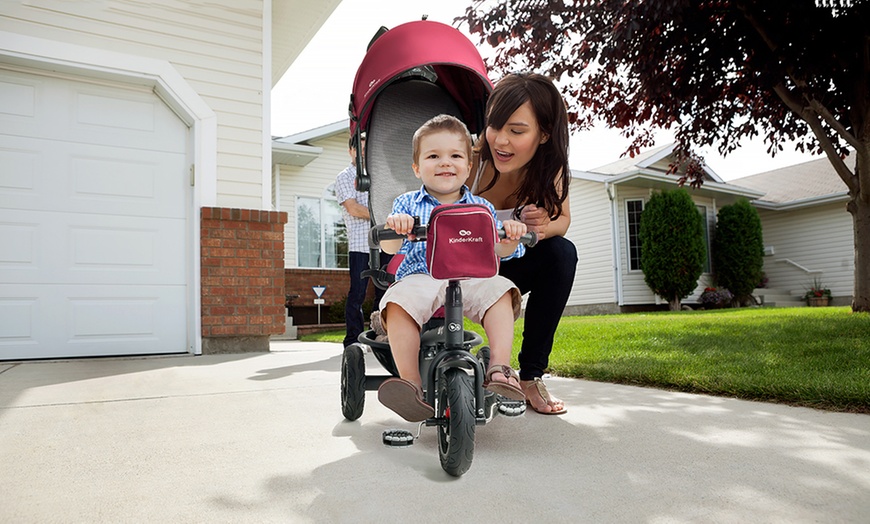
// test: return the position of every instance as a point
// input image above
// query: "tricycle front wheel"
(456, 411)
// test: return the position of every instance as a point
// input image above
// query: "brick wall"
(242, 278)
(300, 281)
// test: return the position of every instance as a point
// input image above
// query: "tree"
(716, 71)
(672, 250)
(738, 249)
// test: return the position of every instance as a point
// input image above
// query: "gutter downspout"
(610, 189)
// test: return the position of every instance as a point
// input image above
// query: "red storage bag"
(460, 242)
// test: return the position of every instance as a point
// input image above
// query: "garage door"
(94, 205)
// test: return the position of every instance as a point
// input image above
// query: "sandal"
(537, 387)
(505, 389)
(406, 399)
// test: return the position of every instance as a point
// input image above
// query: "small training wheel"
(398, 437)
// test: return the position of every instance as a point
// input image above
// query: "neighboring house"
(135, 174)
(315, 248)
(808, 234)
(606, 204)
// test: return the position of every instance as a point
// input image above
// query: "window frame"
(629, 237)
(327, 210)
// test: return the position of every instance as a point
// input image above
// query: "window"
(633, 210)
(320, 233)
(703, 211)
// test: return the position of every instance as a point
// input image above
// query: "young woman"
(522, 169)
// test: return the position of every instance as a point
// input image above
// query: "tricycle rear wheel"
(353, 382)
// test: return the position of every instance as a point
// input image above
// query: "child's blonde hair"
(439, 123)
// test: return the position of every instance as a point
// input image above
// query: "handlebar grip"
(380, 232)
(529, 239)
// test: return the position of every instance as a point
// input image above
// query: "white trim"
(655, 157)
(317, 133)
(173, 89)
(266, 96)
(276, 175)
(804, 202)
(673, 180)
(612, 193)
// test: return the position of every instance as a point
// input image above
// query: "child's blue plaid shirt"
(420, 204)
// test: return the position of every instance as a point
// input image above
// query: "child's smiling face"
(443, 165)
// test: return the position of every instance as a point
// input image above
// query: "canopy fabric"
(428, 45)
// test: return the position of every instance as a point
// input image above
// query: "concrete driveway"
(261, 438)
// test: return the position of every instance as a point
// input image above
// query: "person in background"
(355, 211)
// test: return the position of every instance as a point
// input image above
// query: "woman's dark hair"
(539, 184)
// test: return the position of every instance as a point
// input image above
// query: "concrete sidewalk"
(261, 438)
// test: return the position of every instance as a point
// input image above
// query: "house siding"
(310, 181)
(819, 239)
(634, 289)
(217, 47)
(590, 231)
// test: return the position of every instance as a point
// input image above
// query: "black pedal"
(511, 408)
(398, 438)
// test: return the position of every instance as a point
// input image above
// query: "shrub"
(738, 249)
(713, 298)
(672, 250)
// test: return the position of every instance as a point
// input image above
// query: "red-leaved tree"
(714, 71)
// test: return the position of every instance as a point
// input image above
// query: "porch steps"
(770, 297)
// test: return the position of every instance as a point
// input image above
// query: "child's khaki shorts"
(421, 295)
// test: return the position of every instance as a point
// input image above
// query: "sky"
(315, 90)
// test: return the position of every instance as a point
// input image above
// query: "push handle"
(381, 232)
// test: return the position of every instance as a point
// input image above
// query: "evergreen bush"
(738, 250)
(672, 250)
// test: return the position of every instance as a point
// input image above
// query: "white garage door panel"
(62, 248)
(95, 224)
(61, 110)
(42, 175)
(65, 321)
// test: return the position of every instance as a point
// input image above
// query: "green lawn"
(816, 357)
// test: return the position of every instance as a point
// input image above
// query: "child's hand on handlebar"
(513, 230)
(402, 224)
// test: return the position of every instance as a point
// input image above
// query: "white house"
(134, 151)
(807, 232)
(606, 204)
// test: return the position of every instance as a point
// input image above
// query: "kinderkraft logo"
(465, 236)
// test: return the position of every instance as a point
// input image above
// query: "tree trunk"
(860, 210)
(674, 304)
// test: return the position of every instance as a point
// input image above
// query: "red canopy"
(452, 57)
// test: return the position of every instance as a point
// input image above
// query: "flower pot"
(818, 301)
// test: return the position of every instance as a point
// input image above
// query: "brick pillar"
(242, 279)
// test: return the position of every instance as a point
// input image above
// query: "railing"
(802, 268)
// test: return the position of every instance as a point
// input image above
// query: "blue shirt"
(420, 204)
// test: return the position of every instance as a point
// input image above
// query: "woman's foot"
(504, 381)
(406, 399)
(540, 399)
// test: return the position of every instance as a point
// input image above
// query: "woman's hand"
(536, 219)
